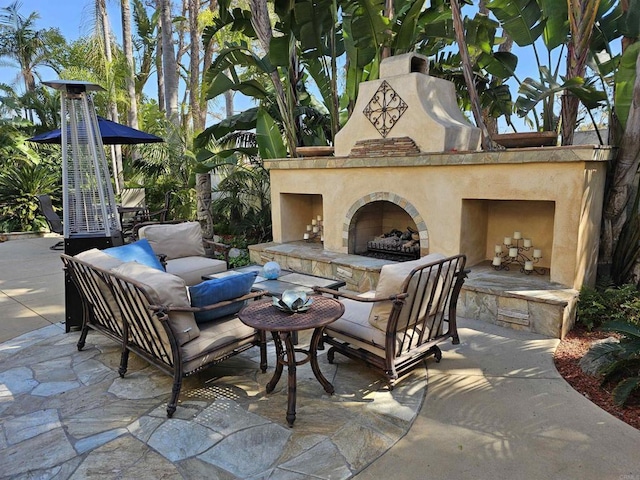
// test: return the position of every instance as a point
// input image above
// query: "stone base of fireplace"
(508, 298)
(523, 302)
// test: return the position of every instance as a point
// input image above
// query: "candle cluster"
(315, 230)
(515, 254)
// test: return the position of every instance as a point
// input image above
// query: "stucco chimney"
(406, 111)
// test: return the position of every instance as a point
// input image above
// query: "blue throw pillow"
(218, 290)
(139, 251)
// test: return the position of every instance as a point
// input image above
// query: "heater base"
(73, 246)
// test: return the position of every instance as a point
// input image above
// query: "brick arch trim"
(393, 198)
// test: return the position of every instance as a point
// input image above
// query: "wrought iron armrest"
(218, 247)
(166, 309)
(357, 298)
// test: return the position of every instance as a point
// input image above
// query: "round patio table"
(262, 315)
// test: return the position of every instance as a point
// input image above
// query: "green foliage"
(239, 261)
(597, 306)
(19, 185)
(270, 144)
(622, 367)
(166, 166)
(625, 78)
(242, 204)
(627, 249)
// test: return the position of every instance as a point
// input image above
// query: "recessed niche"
(296, 212)
(485, 223)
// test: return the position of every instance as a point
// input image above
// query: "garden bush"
(600, 305)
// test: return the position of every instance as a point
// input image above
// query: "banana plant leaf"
(522, 19)
(270, 143)
(625, 80)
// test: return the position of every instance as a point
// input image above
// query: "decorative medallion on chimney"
(384, 109)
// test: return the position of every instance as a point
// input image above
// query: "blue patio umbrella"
(112, 133)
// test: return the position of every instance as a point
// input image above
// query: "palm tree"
(21, 43)
(105, 31)
(127, 45)
(169, 62)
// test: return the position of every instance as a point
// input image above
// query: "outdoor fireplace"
(408, 160)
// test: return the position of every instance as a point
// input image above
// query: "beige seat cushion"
(217, 339)
(175, 240)
(390, 283)
(354, 328)
(192, 269)
(165, 289)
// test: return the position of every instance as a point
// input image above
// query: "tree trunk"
(467, 70)
(159, 67)
(206, 63)
(194, 69)
(127, 46)
(506, 46)
(582, 17)
(116, 150)
(203, 180)
(169, 64)
(622, 177)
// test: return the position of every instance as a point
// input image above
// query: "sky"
(73, 18)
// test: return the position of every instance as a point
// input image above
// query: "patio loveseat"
(149, 312)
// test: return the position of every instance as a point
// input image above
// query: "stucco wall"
(463, 199)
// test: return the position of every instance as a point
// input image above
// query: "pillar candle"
(315, 229)
(528, 265)
(498, 249)
(306, 236)
(507, 240)
(314, 222)
(497, 261)
(319, 218)
(308, 228)
(537, 253)
(517, 235)
(527, 243)
(513, 252)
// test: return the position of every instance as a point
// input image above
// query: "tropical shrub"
(19, 185)
(597, 306)
(242, 204)
(622, 366)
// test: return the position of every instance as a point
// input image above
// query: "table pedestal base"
(287, 356)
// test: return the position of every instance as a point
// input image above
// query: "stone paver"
(87, 422)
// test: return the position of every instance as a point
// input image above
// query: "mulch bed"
(568, 355)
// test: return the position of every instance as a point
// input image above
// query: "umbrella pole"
(117, 172)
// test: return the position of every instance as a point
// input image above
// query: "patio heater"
(90, 214)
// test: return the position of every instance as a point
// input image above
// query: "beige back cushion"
(165, 289)
(175, 240)
(98, 258)
(391, 278)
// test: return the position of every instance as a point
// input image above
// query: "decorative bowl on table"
(293, 301)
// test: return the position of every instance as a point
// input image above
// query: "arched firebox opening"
(381, 228)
